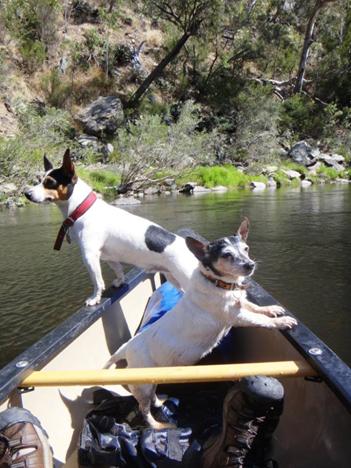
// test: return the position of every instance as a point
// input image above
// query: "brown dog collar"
(224, 285)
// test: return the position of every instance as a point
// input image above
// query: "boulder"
(201, 189)
(88, 141)
(303, 153)
(102, 116)
(188, 188)
(306, 183)
(271, 183)
(334, 161)
(256, 186)
(291, 174)
(314, 168)
(152, 191)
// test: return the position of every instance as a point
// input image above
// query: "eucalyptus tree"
(191, 18)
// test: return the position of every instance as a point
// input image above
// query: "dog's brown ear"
(47, 164)
(197, 247)
(67, 164)
(243, 230)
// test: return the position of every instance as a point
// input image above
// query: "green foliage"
(33, 24)
(149, 145)
(328, 173)
(22, 155)
(102, 181)
(225, 175)
(56, 89)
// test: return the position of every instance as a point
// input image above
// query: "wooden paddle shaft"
(167, 375)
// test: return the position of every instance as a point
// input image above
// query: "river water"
(301, 239)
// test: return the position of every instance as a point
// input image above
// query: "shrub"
(150, 145)
(39, 134)
(33, 24)
(103, 181)
(56, 89)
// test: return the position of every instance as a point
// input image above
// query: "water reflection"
(300, 237)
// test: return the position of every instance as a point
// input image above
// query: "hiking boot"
(23, 442)
(247, 409)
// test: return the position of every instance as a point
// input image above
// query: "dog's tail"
(119, 355)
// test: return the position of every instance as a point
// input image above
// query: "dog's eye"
(50, 183)
(227, 255)
(246, 249)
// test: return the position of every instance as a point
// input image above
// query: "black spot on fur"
(157, 239)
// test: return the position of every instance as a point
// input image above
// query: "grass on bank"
(226, 175)
(101, 180)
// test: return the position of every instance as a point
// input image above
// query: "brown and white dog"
(214, 301)
(110, 233)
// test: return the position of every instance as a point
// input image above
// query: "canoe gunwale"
(329, 366)
(48, 347)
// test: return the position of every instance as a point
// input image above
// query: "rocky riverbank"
(302, 165)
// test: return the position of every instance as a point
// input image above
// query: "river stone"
(201, 189)
(306, 183)
(291, 174)
(303, 153)
(152, 191)
(256, 186)
(271, 183)
(102, 116)
(331, 161)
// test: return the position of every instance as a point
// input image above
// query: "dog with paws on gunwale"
(105, 232)
(214, 301)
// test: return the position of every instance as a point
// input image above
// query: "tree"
(308, 41)
(189, 16)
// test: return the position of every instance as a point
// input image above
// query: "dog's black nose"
(249, 266)
(28, 194)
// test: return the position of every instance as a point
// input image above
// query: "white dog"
(109, 233)
(214, 301)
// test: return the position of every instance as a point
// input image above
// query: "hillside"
(188, 83)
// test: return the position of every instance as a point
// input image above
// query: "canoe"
(55, 377)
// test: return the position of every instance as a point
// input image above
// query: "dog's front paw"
(285, 322)
(93, 300)
(273, 311)
(117, 282)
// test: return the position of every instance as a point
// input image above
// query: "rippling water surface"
(301, 239)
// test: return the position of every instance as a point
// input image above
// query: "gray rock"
(303, 153)
(201, 189)
(292, 174)
(109, 148)
(256, 186)
(331, 161)
(342, 181)
(169, 182)
(152, 191)
(271, 183)
(10, 203)
(306, 183)
(126, 201)
(102, 116)
(88, 141)
(188, 188)
(8, 188)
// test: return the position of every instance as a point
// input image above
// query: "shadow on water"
(300, 238)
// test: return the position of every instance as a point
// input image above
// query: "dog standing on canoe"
(214, 301)
(109, 233)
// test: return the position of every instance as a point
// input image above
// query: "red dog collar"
(224, 285)
(77, 213)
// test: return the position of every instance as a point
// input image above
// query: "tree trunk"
(157, 71)
(308, 41)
